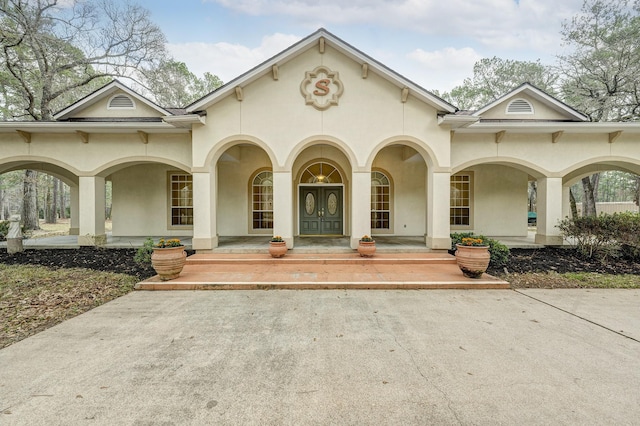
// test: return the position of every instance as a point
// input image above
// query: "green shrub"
(498, 251)
(603, 236)
(143, 255)
(4, 229)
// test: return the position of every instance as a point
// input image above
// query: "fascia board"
(551, 126)
(95, 127)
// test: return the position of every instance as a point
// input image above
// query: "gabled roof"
(103, 92)
(534, 92)
(338, 44)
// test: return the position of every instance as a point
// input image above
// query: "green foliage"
(143, 254)
(494, 77)
(173, 85)
(498, 251)
(4, 229)
(603, 236)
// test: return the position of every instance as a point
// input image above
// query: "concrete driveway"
(334, 357)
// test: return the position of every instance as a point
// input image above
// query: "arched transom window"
(321, 172)
(380, 201)
(262, 200)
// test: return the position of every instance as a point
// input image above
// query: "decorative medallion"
(310, 203)
(321, 88)
(332, 203)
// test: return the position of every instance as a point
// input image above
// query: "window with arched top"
(121, 102)
(380, 201)
(321, 172)
(519, 106)
(262, 200)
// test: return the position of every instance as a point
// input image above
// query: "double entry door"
(321, 211)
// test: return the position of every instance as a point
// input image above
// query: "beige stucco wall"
(541, 110)
(235, 171)
(100, 109)
(101, 153)
(274, 112)
(407, 170)
(140, 202)
(499, 201)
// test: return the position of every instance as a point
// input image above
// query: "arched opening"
(243, 179)
(399, 175)
(322, 191)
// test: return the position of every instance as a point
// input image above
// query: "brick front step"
(321, 271)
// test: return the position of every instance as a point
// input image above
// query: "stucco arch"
(423, 149)
(579, 170)
(122, 163)
(64, 172)
(321, 139)
(532, 169)
(220, 148)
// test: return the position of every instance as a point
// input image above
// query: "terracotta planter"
(168, 262)
(473, 261)
(367, 248)
(277, 248)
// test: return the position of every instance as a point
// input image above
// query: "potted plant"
(277, 246)
(366, 246)
(472, 256)
(168, 258)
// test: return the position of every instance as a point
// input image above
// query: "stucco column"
(205, 232)
(549, 206)
(283, 206)
(92, 211)
(438, 204)
(74, 220)
(360, 206)
(566, 202)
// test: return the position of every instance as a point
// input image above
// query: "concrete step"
(321, 258)
(321, 271)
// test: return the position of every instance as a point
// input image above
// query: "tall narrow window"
(380, 201)
(460, 208)
(181, 200)
(262, 200)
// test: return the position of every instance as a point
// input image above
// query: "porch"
(259, 244)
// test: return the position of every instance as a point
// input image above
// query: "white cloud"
(497, 24)
(442, 69)
(227, 60)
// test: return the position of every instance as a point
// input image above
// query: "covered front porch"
(259, 244)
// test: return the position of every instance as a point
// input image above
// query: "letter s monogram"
(322, 87)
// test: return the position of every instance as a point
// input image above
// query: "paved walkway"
(487, 357)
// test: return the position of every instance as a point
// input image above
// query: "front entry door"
(321, 210)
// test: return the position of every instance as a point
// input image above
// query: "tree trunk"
(572, 202)
(30, 201)
(63, 210)
(590, 189)
(636, 197)
(52, 200)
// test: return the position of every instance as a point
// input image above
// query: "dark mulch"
(121, 261)
(562, 260)
(100, 259)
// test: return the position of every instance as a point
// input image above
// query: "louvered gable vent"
(121, 102)
(519, 106)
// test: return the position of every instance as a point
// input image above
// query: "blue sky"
(432, 42)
